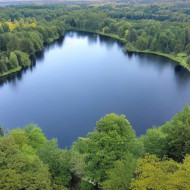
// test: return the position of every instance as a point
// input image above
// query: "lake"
(82, 77)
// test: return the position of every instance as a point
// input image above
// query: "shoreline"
(180, 60)
(9, 72)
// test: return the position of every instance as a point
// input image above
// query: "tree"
(141, 43)
(13, 61)
(36, 137)
(1, 131)
(58, 161)
(112, 140)
(19, 169)
(26, 46)
(131, 36)
(188, 60)
(155, 142)
(13, 43)
(178, 133)
(3, 63)
(5, 27)
(19, 136)
(23, 58)
(105, 29)
(153, 173)
(37, 41)
(119, 177)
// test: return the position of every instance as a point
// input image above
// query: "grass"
(179, 59)
(51, 40)
(11, 71)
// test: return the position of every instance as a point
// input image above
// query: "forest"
(162, 29)
(110, 157)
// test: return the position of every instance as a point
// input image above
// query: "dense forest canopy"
(110, 158)
(162, 29)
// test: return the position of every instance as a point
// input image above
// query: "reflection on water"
(79, 78)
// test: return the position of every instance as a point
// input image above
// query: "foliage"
(19, 169)
(112, 140)
(155, 142)
(58, 163)
(153, 173)
(111, 157)
(1, 131)
(13, 61)
(188, 61)
(162, 28)
(178, 133)
(120, 176)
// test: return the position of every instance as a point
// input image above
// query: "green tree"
(1, 131)
(26, 45)
(112, 140)
(20, 169)
(58, 161)
(23, 59)
(141, 43)
(35, 136)
(155, 142)
(153, 173)
(5, 27)
(3, 63)
(188, 60)
(13, 43)
(119, 177)
(178, 133)
(13, 61)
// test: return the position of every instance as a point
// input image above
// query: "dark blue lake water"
(81, 78)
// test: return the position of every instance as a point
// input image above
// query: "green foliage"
(141, 43)
(35, 137)
(19, 136)
(153, 173)
(144, 26)
(188, 60)
(58, 162)
(77, 164)
(105, 29)
(20, 170)
(3, 63)
(26, 45)
(155, 142)
(111, 157)
(13, 61)
(112, 140)
(86, 186)
(120, 176)
(1, 131)
(178, 133)
(5, 27)
(23, 59)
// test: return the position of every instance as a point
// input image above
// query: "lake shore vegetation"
(161, 29)
(110, 157)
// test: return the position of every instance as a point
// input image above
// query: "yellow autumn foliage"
(29, 25)
(12, 26)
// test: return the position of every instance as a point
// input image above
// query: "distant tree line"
(163, 28)
(110, 158)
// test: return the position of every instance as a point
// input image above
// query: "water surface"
(79, 79)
